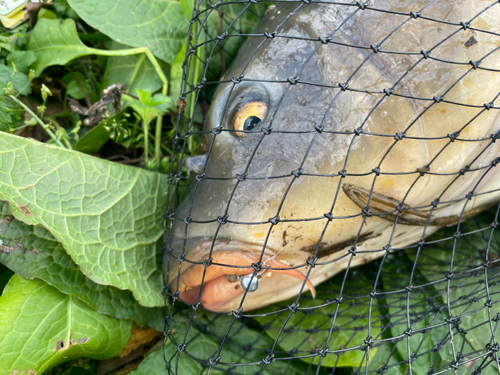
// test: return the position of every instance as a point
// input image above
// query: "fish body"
(339, 132)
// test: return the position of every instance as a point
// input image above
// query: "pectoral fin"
(389, 208)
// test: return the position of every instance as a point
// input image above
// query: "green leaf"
(42, 327)
(32, 252)
(55, 42)
(307, 330)
(136, 71)
(148, 107)
(93, 140)
(22, 59)
(206, 345)
(19, 81)
(161, 26)
(107, 216)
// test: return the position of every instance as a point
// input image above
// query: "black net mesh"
(333, 191)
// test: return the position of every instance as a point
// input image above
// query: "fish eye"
(248, 117)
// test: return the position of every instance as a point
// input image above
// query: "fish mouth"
(234, 269)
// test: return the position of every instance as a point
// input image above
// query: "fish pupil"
(251, 122)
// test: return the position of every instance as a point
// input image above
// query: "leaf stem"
(42, 124)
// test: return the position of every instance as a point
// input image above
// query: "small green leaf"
(148, 107)
(93, 140)
(55, 42)
(111, 218)
(22, 59)
(32, 252)
(161, 26)
(18, 82)
(42, 327)
(31, 75)
(135, 71)
(9, 89)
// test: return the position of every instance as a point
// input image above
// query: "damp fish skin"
(283, 197)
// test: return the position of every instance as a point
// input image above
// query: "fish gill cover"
(341, 215)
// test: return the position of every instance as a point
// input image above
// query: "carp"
(339, 133)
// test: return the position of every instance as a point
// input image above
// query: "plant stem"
(42, 124)
(159, 71)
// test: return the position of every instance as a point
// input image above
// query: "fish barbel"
(339, 132)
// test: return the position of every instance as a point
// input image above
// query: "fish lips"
(219, 274)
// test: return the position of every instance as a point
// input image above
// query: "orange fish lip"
(205, 281)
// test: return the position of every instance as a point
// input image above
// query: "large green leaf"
(32, 252)
(203, 340)
(107, 216)
(160, 25)
(42, 327)
(136, 71)
(307, 330)
(55, 42)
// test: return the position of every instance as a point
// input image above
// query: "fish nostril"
(196, 163)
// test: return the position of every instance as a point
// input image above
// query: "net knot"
(343, 86)
(453, 136)
(207, 262)
(375, 48)
(343, 173)
(426, 54)
(253, 1)
(293, 80)
(175, 295)
(488, 303)
(182, 257)
(216, 5)
(257, 266)
(325, 40)
(217, 130)
(214, 361)
(267, 130)
(387, 247)
(188, 220)
(373, 293)
(376, 171)
(306, 1)
(222, 219)
(435, 203)
(415, 15)
(293, 307)
(358, 131)
(312, 261)
(475, 64)
(297, 172)
(457, 234)
(366, 211)
(222, 36)
(496, 318)
(269, 359)
(329, 216)
(274, 220)
(269, 35)
(196, 306)
(449, 276)
(178, 176)
(237, 80)
(388, 92)
(465, 25)
(409, 288)
(399, 136)
(464, 170)
(241, 177)
(494, 225)
(181, 348)
(361, 5)
(440, 345)
(438, 99)
(352, 251)
(495, 162)
(488, 106)
(470, 195)
(339, 299)
(495, 136)
(383, 369)
(319, 128)
(237, 313)
(368, 342)
(493, 348)
(323, 352)
(200, 177)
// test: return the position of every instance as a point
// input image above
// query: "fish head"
(282, 131)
